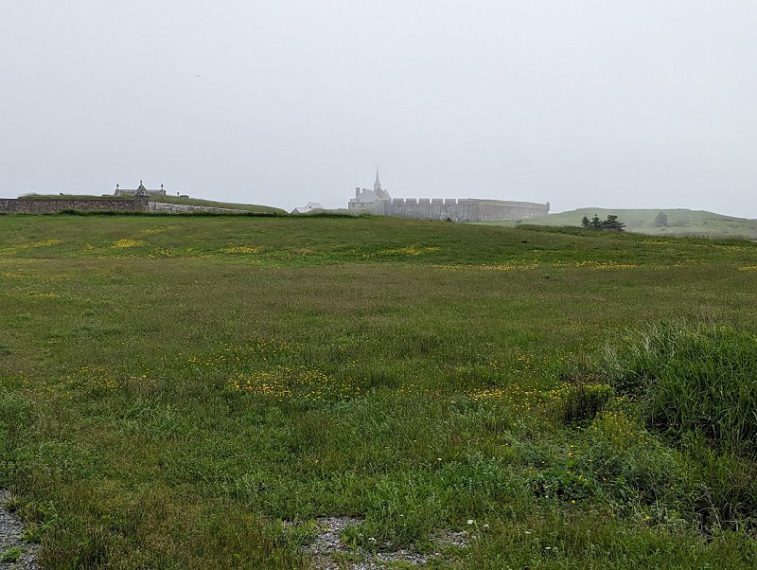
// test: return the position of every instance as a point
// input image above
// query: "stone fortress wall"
(463, 210)
(140, 200)
(379, 203)
(141, 204)
(191, 209)
(57, 205)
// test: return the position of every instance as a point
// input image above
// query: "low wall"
(189, 208)
(57, 205)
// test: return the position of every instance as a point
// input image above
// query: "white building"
(309, 207)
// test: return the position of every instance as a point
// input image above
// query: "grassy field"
(680, 222)
(193, 392)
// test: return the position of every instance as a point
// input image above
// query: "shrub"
(661, 220)
(561, 483)
(633, 464)
(693, 378)
(584, 401)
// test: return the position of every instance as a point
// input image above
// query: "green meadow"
(194, 392)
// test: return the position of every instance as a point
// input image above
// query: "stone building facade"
(378, 202)
(139, 191)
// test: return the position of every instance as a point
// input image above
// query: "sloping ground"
(255, 208)
(681, 221)
(193, 209)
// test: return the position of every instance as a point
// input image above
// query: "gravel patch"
(20, 555)
(458, 539)
(330, 553)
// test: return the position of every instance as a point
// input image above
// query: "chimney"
(357, 191)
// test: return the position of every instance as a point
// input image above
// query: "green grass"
(173, 390)
(11, 554)
(680, 222)
(694, 379)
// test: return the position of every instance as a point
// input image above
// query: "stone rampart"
(463, 210)
(57, 205)
(190, 208)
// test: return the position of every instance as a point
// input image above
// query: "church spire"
(377, 184)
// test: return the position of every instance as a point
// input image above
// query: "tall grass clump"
(581, 399)
(693, 378)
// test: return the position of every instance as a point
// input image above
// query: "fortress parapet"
(379, 202)
(463, 209)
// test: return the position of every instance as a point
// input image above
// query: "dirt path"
(15, 554)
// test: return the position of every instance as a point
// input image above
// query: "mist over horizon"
(631, 105)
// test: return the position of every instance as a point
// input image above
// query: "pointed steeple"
(377, 184)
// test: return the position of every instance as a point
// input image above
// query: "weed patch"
(693, 378)
(579, 401)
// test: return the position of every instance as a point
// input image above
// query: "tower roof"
(377, 184)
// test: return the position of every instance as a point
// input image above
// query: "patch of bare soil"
(330, 553)
(15, 553)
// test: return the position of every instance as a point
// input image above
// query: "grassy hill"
(201, 392)
(256, 208)
(680, 222)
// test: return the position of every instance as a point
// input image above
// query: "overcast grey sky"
(616, 103)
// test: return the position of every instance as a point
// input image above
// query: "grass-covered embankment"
(173, 389)
(253, 208)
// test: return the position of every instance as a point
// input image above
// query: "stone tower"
(381, 194)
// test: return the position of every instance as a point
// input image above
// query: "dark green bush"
(564, 484)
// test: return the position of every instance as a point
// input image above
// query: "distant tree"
(612, 223)
(661, 221)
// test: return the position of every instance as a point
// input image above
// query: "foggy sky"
(614, 103)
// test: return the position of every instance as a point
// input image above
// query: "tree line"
(612, 223)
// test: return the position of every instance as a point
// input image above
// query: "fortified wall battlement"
(379, 203)
(57, 205)
(463, 210)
